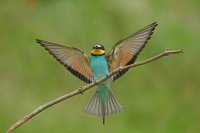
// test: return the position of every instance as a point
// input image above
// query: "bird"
(98, 64)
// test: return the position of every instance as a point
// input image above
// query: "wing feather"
(126, 50)
(73, 59)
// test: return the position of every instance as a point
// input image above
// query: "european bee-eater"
(89, 69)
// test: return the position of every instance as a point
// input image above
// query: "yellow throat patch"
(97, 51)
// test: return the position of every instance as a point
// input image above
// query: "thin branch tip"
(168, 51)
(181, 51)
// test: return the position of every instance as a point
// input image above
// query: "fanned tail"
(96, 107)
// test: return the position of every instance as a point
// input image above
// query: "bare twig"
(86, 87)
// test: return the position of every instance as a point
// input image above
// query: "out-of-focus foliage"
(161, 97)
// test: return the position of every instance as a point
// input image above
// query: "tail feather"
(93, 107)
(112, 105)
(96, 107)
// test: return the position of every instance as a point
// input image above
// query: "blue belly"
(100, 68)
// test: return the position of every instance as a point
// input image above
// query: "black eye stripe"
(98, 46)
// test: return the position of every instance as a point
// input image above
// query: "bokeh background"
(160, 97)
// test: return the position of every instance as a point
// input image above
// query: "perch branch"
(86, 87)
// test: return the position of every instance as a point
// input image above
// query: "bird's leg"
(107, 75)
(95, 82)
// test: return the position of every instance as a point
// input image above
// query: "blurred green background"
(160, 97)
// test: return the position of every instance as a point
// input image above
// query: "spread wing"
(126, 50)
(73, 59)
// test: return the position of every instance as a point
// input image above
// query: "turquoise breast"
(99, 66)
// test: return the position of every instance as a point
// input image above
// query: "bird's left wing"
(73, 59)
(126, 51)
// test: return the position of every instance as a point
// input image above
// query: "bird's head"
(98, 49)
